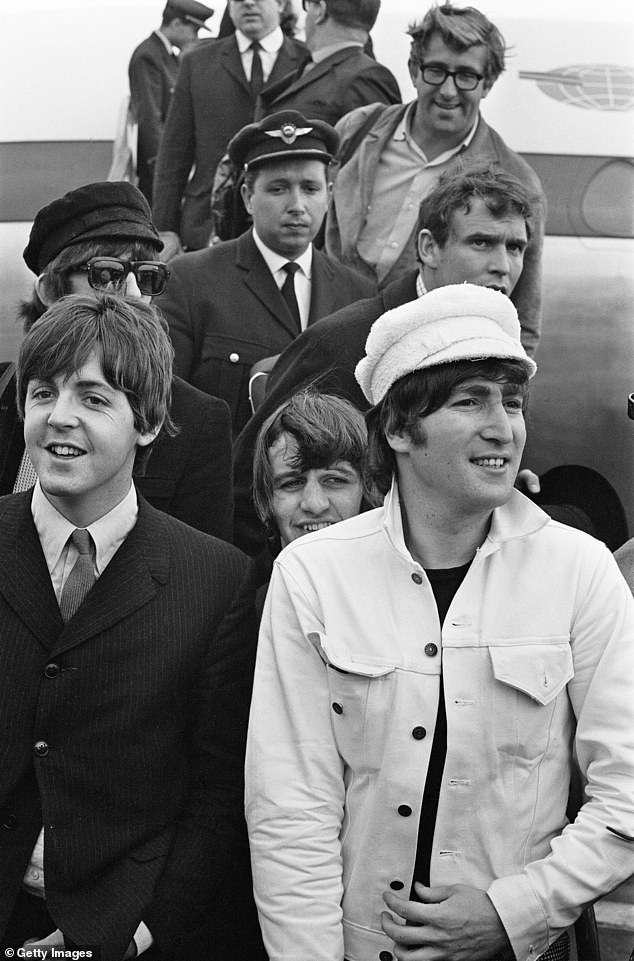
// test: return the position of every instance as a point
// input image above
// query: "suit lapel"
(322, 288)
(259, 280)
(131, 579)
(316, 73)
(232, 63)
(24, 579)
(288, 59)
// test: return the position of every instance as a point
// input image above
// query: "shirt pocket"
(527, 713)
(361, 691)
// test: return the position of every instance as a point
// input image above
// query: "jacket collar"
(519, 517)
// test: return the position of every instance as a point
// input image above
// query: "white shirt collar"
(324, 52)
(108, 533)
(402, 132)
(165, 42)
(275, 261)
(272, 43)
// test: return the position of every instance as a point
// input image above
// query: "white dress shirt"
(303, 277)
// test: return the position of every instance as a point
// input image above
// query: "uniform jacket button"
(41, 748)
(397, 885)
(51, 670)
(385, 956)
(419, 733)
(337, 708)
(417, 578)
(431, 650)
(404, 810)
(234, 358)
(10, 822)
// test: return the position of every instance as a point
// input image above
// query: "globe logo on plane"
(597, 86)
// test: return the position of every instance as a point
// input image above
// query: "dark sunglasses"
(103, 272)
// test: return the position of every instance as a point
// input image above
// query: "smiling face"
(288, 202)
(481, 249)
(310, 500)
(80, 436)
(465, 462)
(445, 113)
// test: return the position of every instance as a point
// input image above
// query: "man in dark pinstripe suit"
(126, 654)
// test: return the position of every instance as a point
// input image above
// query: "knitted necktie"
(257, 76)
(81, 578)
(288, 293)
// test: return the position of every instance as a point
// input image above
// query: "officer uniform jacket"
(188, 476)
(536, 654)
(152, 74)
(352, 195)
(122, 733)
(212, 100)
(332, 87)
(225, 312)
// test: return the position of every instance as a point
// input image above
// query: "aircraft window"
(587, 196)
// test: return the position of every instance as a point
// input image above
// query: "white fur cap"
(456, 322)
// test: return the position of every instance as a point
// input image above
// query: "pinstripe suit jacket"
(138, 707)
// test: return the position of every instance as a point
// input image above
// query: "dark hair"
(460, 28)
(128, 337)
(360, 14)
(419, 394)
(56, 275)
(327, 429)
(501, 192)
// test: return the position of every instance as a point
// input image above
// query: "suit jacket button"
(431, 650)
(397, 885)
(419, 733)
(417, 578)
(41, 748)
(337, 708)
(404, 810)
(51, 670)
(10, 822)
(234, 358)
(385, 956)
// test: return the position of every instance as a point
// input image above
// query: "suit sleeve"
(146, 89)
(210, 841)
(176, 154)
(204, 495)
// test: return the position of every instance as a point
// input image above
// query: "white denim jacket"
(537, 649)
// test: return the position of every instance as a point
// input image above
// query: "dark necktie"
(288, 293)
(257, 77)
(81, 578)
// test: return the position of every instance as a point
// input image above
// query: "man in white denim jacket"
(426, 673)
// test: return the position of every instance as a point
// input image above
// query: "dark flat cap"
(190, 10)
(96, 211)
(283, 134)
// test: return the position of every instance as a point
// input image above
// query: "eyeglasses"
(151, 275)
(435, 76)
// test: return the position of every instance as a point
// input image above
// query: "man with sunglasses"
(456, 56)
(96, 238)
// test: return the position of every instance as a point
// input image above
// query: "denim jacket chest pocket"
(526, 710)
(361, 691)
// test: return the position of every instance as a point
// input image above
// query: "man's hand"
(454, 923)
(527, 481)
(172, 245)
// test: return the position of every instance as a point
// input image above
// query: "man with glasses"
(341, 76)
(100, 238)
(215, 95)
(456, 56)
